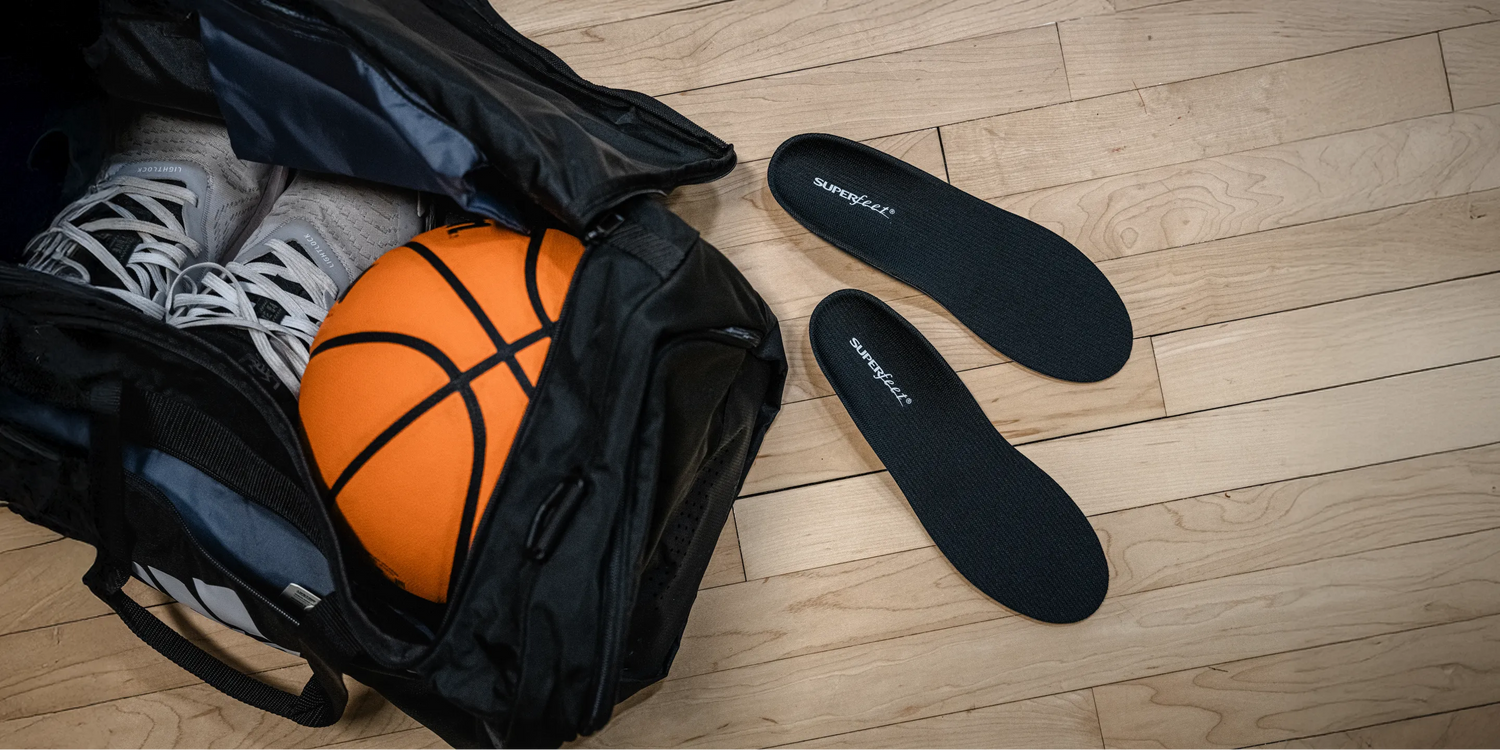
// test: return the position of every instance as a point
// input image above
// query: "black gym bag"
(663, 375)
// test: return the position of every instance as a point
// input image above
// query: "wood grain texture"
(1472, 55)
(1238, 277)
(42, 585)
(1316, 347)
(537, 17)
(1266, 441)
(746, 39)
(1302, 520)
(740, 210)
(199, 716)
(808, 527)
(1131, 636)
(16, 532)
(1177, 41)
(1319, 690)
(725, 566)
(1142, 464)
(878, 96)
(886, 593)
(99, 659)
(816, 440)
(1470, 728)
(1276, 186)
(1309, 264)
(405, 739)
(795, 273)
(1133, 4)
(1196, 119)
(1065, 720)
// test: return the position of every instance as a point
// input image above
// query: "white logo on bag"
(854, 200)
(880, 373)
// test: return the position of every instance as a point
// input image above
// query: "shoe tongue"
(306, 240)
(182, 174)
(122, 244)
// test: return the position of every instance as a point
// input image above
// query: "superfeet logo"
(884, 377)
(854, 199)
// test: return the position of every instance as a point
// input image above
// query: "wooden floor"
(1296, 477)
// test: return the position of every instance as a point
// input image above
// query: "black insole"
(1021, 288)
(1002, 522)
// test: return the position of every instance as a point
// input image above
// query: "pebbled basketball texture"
(417, 384)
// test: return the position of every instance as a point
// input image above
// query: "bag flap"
(441, 95)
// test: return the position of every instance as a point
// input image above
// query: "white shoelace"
(222, 298)
(153, 264)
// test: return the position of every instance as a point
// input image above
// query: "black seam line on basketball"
(459, 382)
(382, 337)
(471, 495)
(521, 378)
(462, 292)
(533, 254)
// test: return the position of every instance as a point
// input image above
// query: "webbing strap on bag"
(322, 700)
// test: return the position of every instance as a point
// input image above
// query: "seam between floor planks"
(939, 126)
(815, 609)
(1358, 676)
(1158, 418)
(791, 509)
(724, 706)
(1362, 727)
(1099, 717)
(1377, 729)
(706, 34)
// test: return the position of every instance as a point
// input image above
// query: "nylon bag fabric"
(665, 370)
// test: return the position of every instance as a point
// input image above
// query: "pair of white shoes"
(181, 229)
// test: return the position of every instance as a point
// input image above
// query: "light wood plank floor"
(1296, 477)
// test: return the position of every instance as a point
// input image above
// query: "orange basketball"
(417, 384)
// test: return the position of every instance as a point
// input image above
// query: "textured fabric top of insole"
(1018, 286)
(1001, 520)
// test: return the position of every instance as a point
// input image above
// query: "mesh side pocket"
(669, 585)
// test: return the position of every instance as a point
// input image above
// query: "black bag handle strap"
(322, 700)
(313, 707)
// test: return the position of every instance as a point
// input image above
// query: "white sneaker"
(322, 233)
(171, 195)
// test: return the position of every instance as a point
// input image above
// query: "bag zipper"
(533, 58)
(539, 60)
(144, 486)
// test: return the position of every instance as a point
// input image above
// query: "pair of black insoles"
(1004, 524)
